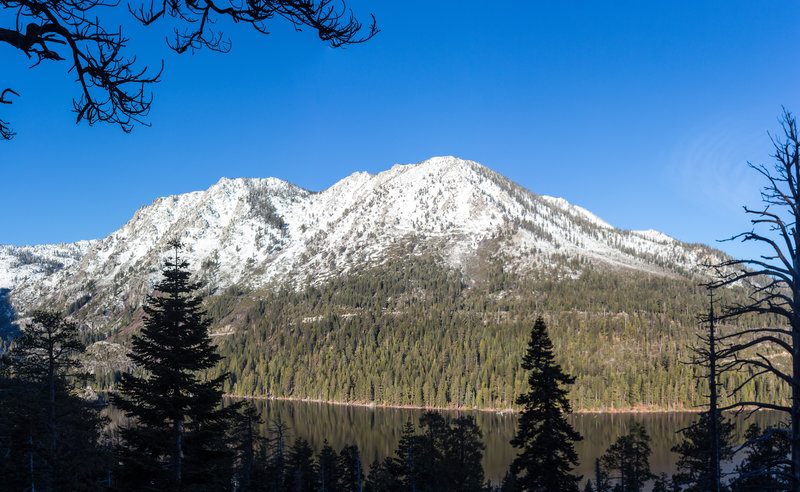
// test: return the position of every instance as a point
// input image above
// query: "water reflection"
(376, 431)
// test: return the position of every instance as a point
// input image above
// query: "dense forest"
(425, 323)
(418, 334)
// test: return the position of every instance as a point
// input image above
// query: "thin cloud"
(711, 166)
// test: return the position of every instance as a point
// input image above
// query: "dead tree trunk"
(712, 386)
(773, 281)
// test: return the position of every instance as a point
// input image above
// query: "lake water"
(376, 431)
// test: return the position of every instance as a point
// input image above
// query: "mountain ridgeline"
(415, 286)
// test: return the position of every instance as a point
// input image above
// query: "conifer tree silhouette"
(48, 434)
(629, 457)
(546, 440)
(178, 436)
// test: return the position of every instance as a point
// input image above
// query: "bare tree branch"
(5, 132)
(773, 282)
(755, 404)
(112, 87)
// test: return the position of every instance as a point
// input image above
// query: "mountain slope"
(254, 233)
(413, 333)
(31, 264)
(414, 286)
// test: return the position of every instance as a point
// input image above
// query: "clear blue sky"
(642, 112)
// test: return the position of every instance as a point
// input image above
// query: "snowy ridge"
(260, 232)
(21, 264)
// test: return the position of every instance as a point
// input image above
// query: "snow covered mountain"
(29, 264)
(258, 233)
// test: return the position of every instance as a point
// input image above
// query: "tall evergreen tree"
(301, 471)
(383, 477)
(408, 466)
(352, 475)
(445, 456)
(275, 456)
(247, 444)
(629, 457)
(600, 477)
(328, 469)
(463, 452)
(544, 436)
(48, 435)
(662, 484)
(177, 440)
(696, 456)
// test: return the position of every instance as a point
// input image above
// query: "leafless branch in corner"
(112, 86)
(112, 89)
(773, 284)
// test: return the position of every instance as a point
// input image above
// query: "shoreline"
(502, 411)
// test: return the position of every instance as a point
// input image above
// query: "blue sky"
(642, 112)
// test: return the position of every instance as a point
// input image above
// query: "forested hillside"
(418, 334)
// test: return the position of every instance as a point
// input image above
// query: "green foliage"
(247, 443)
(418, 334)
(445, 456)
(328, 469)
(178, 439)
(662, 484)
(352, 476)
(383, 477)
(301, 471)
(261, 206)
(546, 440)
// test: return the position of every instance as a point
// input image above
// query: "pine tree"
(629, 456)
(764, 467)
(352, 475)
(509, 483)
(546, 439)
(48, 434)
(301, 471)
(177, 440)
(44, 353)
(247, 444)
(662, 484)
(407, 462)
(383, 477)
(328, 469)
(600, 477)
(695, 467)
(463, 454)
(275, 456)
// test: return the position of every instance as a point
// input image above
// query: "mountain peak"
(257, 232)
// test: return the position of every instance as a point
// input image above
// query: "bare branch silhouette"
(773, 283)
(5, 132)
(112, 85)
